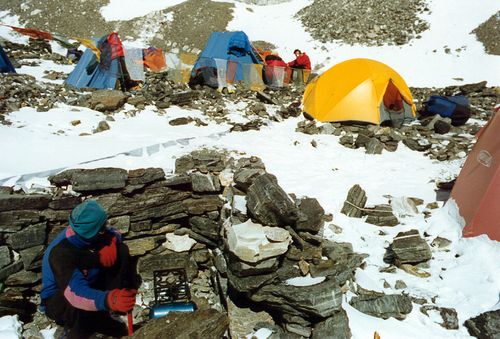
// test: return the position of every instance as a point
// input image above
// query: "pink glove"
(107, 254)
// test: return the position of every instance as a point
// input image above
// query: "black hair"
(297, 50)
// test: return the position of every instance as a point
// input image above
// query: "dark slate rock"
(55, 215)
(203, 204)
(374, 146)
(107, 100)
(183, 98)
(198, 324)
(180, 121)
(335, 327)
(473, 88)
(244, 177)
(308, 252)
(144, 176)
(449, 315)
(415, 146)
(178, 180)
(340, 269)
(23, 278)
(6, 190)
(88, 180)
(13, 221)
(243, 269)
(205, 226)
(139, 226)
(310, 215)
(442, 127)
(355, 202)
(203, 160)
(485, 326)
(65, 202)
(164, 261)
(381, 215)
(5, 258)
(10, 269)
(408, 248)
(251, 162)
(320, 300)
(30, 236)
(383, 306)
(250, 283)
(362, 140)
(121, 223)
(205, 183)
(32, 257)
(13, 302)
(269, 204)
(24, 202)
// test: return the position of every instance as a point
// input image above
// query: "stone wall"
(220, 219)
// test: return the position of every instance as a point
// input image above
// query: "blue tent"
(88, 73)
(231, 46)
(5, 65)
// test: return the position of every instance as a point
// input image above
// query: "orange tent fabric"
(477, 189)
(154, 59)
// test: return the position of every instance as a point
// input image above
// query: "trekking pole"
(130, 324)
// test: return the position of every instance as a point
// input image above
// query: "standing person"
(86, 274)
(301, 62)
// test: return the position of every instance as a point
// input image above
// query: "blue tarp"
(233, 46)
(98, 77)
(5, 65)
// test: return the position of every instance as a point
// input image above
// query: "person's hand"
(107, 254)
(121, 300)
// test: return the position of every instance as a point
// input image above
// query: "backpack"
(457, 108)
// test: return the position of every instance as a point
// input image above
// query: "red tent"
(477, 189)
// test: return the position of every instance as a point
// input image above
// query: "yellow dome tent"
(359, 90)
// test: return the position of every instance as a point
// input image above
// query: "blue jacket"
(71, 265)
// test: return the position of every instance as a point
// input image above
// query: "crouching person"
(86, 274)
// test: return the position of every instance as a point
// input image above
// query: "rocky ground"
(186, 26)
(369, 22)
(489, 34)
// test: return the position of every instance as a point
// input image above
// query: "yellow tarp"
(353, 90)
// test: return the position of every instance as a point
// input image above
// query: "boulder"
(320, 300)
(355, 202)
(335, 327)
(382, 305)
(408, 248)
(198, 324)
(107, 100)
(484, 326)
(310, 215)
(268, 203)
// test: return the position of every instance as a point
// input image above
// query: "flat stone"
(310, 215)
(383, 306)
(408, 248)
(32, 257)
(205, 226)
(198, 324)
(178, 243)
(320, 300)
(205, 183)
(65, 202)
(9, 202)
(23, 278)
(335, 327)
(87, 180)
(5, 258)
(14, 221)
(30, 236)
(141, 246)
(143, 176)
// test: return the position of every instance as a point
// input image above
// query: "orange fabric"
(154, 59)
(33, 33)
(477, 189)
(392, 98)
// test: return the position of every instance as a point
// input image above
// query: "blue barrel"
(159, 311)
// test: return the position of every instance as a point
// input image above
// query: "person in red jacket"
(301, 62)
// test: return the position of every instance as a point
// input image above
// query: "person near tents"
(274, 64)
(86, 275)
(301, 62)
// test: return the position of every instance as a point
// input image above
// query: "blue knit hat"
(87, 219)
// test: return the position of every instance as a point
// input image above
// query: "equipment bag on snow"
(456, 108)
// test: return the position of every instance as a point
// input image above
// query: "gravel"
(489, 34)
(368, 22)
